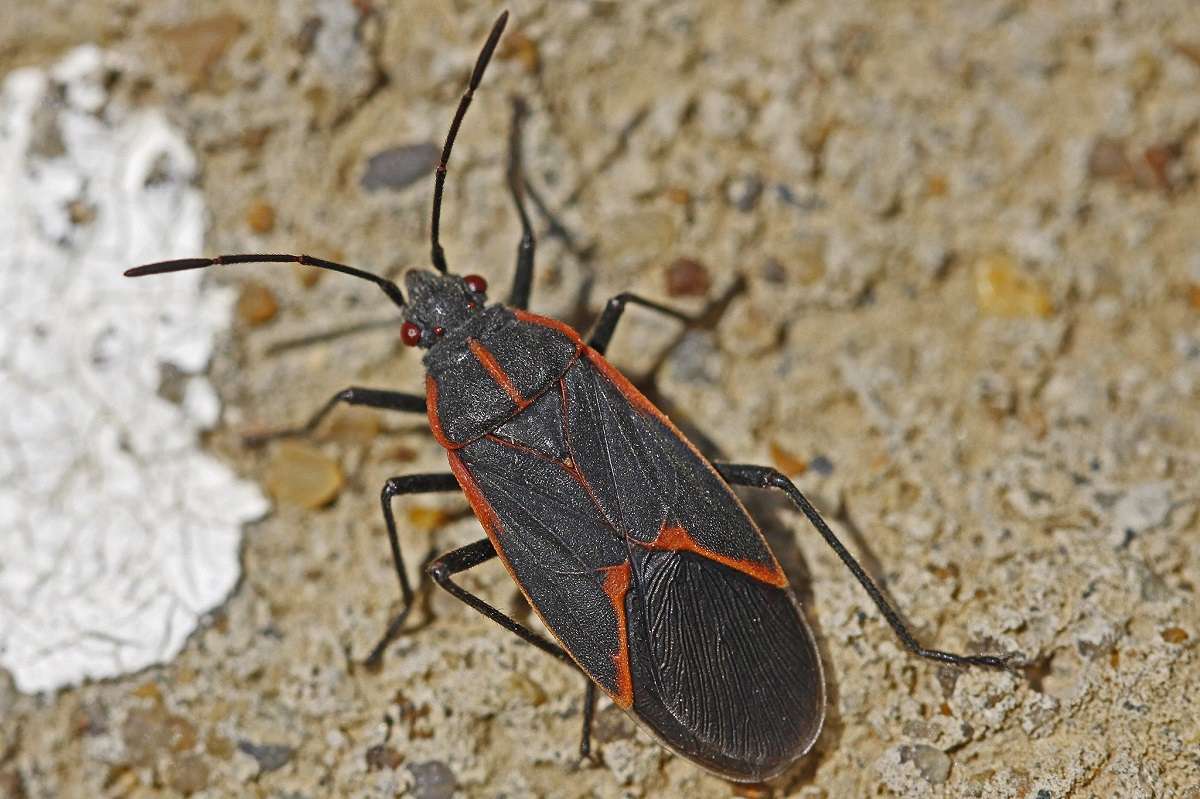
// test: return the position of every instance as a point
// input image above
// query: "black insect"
(628, 543)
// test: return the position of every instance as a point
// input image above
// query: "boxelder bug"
(628, 543)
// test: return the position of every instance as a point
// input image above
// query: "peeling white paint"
(116, 531)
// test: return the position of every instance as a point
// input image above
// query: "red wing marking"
(493, 367)
(483, 509)
(431, 409)
(677, 539)
(553, 324)
(616, 586)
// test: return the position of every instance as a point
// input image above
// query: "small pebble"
(529, 692)
(400, 453)
(687, 277)
(353, 426)
(308, 276)
(1108, 160)
(260, 216)
(933, 763)
(772, 271)
(382, 756)
(518, 47)
(270, 757)
(1161, 158)
(744, 192)
(1189, 51)
(821, 465)
(196, 47)
(678, 195)
(1174, 635)
(426, 520)
(254, 138)
(81, 213)
(787, 462)
(144, 733)
(187, 774)
(398, 167)
(181, 734)
(300, 474)
(1001, 290)
(432, 779)
(218, 746)
(256, 305)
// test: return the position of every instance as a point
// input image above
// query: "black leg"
(463, 558)
(602, 331)
(766, 477)
(355, 395)
(395, 487)
(470, 556)
(589, 713)
(523, 277)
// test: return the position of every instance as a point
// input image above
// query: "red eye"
(410, 334)
(476, 284)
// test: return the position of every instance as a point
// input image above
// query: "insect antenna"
(485, 55)
(162, 267)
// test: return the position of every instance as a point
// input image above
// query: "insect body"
(629, 544)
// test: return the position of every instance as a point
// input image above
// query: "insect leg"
(395, 487)
(589, 712)
(766, 477)
(355, 395)
(602, 331)
(463, 558)
(523, 276)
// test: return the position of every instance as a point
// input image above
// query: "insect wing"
(550, 535)
(724, 667)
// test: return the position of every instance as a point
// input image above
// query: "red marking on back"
(616, 586)
(431, 410)
(635, 397)
(677, 539)
(493, 367)
(546, 321)
(483, 509)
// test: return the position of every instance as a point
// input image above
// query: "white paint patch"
(116, 531)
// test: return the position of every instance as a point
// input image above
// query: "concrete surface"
(969, 303)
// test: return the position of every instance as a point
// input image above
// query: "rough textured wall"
(952, 262)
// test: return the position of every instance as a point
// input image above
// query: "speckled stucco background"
(951, 257)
